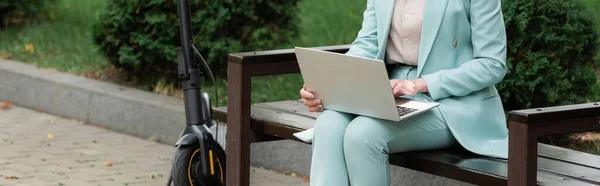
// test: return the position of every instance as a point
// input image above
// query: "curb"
(147, 115)
(114, 107)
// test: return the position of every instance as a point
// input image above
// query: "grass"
(64, 42)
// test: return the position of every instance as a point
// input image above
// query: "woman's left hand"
(407, 87)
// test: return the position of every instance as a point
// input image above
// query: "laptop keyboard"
(402, 111)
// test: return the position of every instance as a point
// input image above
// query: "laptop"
(355, 85)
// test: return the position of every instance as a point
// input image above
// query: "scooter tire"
(185, 170)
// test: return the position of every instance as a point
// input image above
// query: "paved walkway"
(38, 149)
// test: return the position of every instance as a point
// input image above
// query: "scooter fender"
(187, 139)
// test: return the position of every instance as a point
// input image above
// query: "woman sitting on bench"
(448, 51)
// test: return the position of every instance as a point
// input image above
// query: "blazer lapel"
(433, 15)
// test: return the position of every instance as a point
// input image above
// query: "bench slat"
(467, 167)
(571, 156)
(549, 114)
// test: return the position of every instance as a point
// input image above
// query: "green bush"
(551, 49)
(18, 12)
(142, 35)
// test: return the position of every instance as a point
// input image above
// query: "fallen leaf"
(10, 177)
(153, 139)
(294, 175)
(108, 164)
(57, 164)
(5, 56)
(121, 89)
(286, 173)
(50, 135)
(78, 161)
(5, 105)
(38, 110)
(306, 179)
(30, 48)
(153, 175)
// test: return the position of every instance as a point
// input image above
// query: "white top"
(405, 32)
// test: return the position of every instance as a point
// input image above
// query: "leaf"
(29, 48)
(11, 177)
(5, 105)
(50, 136)
(153, 175)
(306, 179)
(5, 56)
(108, 164)
(294, 175)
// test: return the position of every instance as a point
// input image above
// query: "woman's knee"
(365, 134)
(331, 123)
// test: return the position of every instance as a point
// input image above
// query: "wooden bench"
(530, 163)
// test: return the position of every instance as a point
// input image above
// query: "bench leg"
(522, 155)
(238, 126)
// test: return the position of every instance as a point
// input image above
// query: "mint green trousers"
(353, 150)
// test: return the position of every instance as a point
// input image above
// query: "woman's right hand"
(309, 99)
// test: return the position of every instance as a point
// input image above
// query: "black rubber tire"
(181, 166)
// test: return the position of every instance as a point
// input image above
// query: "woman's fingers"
(311, 102)
(308, 98)
(318, 108)
(306, 94)
(397, 91)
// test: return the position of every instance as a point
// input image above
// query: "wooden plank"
(471, 168)
(262, 115)
(572, 171)
(570, 156)
(548, 114)
(565, 126)
(522, 153)
(238, 126)
(275, 56)
(294, 107)
(264, 69)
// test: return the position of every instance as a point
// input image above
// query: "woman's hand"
(408, 87)
(308, 98)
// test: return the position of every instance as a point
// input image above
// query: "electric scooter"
(199, 159)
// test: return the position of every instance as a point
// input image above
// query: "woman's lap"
(422, 132)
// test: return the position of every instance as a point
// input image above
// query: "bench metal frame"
(525, 126)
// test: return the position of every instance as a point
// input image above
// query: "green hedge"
(142, 35)
(551, 49)
(17, 12)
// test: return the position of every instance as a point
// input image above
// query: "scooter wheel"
(187, 167)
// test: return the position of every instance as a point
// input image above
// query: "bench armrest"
(551, 114)
(276, 56)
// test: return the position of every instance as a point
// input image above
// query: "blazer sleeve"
(488, 65)
(365, 44)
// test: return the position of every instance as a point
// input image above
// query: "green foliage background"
(142, 35)
(22, 10)
(551, 53)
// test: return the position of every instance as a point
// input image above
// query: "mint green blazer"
(462, 55)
